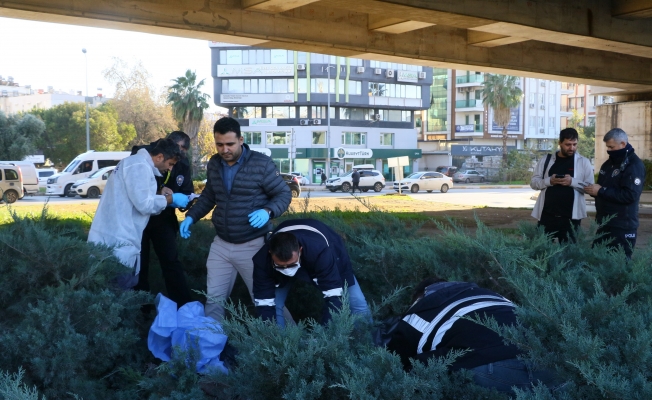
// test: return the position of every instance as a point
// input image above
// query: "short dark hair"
(167, 147)
(225, 125)
(420, 289)
(568, 133)
(179, 136)
(283, 245)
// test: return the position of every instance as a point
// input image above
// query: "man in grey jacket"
(561, 177)
(130, 197)
(245, 190)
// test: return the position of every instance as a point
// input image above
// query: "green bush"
(68, 333)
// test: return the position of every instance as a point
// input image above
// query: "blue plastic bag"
(188, 328)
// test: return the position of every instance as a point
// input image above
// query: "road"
(502, 198)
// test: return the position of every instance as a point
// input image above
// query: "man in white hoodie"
(130, 197)
(561, 177)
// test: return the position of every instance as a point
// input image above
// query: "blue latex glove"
(179, 200)
(184, 228)
(258, 218)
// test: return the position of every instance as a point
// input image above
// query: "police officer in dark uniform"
(618, 191)
(162, 229)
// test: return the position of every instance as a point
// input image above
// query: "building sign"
(473, 150)
(257, 98)
(262, 122)
(514, 122)
(341, 153)
(465, 128)
(224, 71)
(36, 159)
(407, 76)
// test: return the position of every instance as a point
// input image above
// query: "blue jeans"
(357, 302)
(503, 375)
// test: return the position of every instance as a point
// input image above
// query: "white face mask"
(289, 271)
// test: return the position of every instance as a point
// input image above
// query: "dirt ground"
(500, 218)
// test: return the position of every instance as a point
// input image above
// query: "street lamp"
(328, 131)
(88, 130)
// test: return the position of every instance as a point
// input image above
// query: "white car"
(369, 179)
(93, 186)
(302, 179)
(427, 181)
(44, 174)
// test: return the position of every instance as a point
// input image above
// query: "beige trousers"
(225, 261)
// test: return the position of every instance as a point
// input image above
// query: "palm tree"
(501, 93)
(188, 105)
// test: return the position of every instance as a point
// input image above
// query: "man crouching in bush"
(437, 323)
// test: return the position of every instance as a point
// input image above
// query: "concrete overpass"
(598, 42)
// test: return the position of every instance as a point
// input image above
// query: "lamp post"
(88, 130)
(328, 119)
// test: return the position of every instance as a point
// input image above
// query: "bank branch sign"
(407, 76)
(342, 152)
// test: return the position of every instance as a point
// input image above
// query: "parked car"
(446, 170)
(293, 183)
(11, 183)
(302, 179)
(44, 174)
(93, 186)
(468, 176)
(427, 181)
(369, 179)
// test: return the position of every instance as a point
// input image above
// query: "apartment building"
(281, 99)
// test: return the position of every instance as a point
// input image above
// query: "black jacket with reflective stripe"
(429, 320)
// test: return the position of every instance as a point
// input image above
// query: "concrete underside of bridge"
(604, 43)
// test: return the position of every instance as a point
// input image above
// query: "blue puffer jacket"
(256, 185)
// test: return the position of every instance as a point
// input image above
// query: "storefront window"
(252, 137)
(278, 138)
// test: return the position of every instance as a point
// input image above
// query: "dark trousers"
(355, 186)
(562, 228)
(162, 230)
(617, 237)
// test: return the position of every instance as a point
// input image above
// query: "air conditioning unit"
(360, 70)
(531, 105)
(422, 75)
(389, 73)
(304, 122)
(542, 130)
(378, 71)
(301, 67)
(316, 121)
(377, 117)
(463, 89)
(542, 107)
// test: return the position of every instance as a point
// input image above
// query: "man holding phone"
(561, 177)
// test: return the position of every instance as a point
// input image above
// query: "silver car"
(468, 176)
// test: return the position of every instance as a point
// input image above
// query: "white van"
(81, 167)
(30, 177)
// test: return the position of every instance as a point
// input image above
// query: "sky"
(44, 54)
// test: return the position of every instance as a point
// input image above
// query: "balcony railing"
(469, 79)
(471, 103)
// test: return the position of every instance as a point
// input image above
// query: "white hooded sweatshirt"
(128, 200)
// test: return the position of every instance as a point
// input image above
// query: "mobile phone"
(560, 176)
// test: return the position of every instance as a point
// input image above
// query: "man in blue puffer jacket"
(246, 191)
